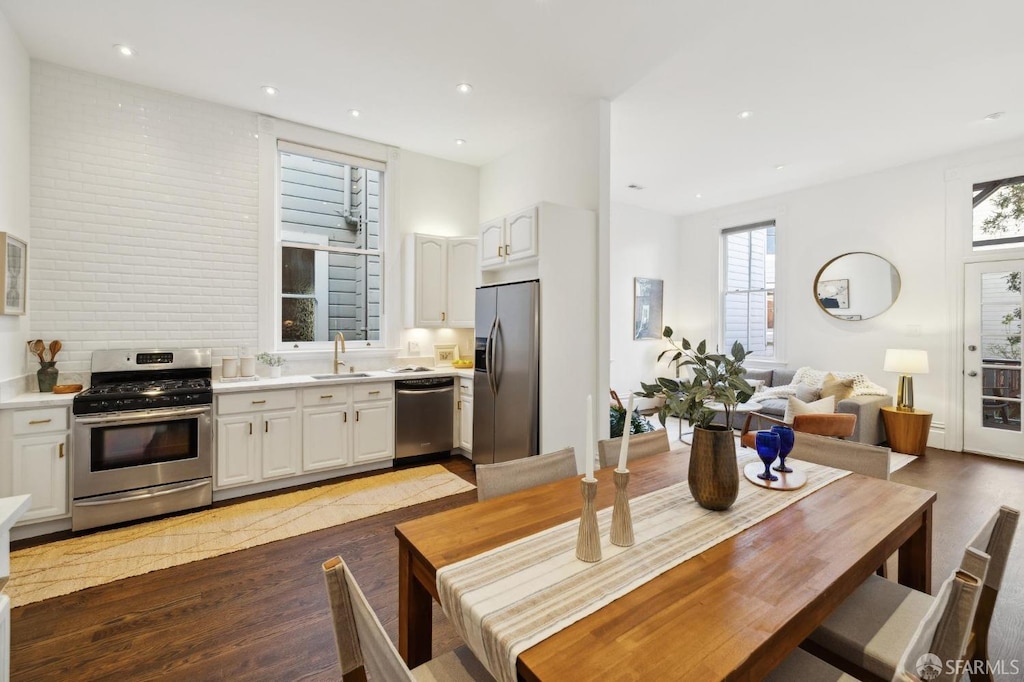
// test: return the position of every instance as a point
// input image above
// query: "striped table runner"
(505, 600)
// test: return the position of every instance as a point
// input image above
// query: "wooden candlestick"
(588, 541)
(622, 520)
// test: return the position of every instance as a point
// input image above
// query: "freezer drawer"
(424, 414)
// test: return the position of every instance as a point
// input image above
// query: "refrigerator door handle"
(489, 357)
(493, 367)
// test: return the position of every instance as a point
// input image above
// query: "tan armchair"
(833, 425)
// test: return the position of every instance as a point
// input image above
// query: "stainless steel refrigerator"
(506, 380)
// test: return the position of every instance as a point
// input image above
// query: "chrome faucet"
(338, 337)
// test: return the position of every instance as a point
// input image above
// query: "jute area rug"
(67, 566)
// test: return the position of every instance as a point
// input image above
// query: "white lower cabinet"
(325, 437)
(465, 415)
(262, 442)
(374, 431)
(34, 456)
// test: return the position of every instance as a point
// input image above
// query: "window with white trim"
(331, 241)
(748, 299)
(999, 214)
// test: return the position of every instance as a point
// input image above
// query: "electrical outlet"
(414, 348)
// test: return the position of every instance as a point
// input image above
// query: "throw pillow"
(807, 393)
(840, 389)
(795, 406)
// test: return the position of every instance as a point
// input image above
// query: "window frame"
(772, 294)
(275, 136)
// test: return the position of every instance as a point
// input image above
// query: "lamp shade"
(906, 361)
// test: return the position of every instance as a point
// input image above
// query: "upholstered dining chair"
(870, 629)
(836, 425)
(640, 445)
(364, 645)
(942, 631)
(860, 458)
(494, 480)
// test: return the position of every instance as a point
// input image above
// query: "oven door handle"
(148, 415)
(139, 496)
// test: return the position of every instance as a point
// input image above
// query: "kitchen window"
(331, 242)
(748, 300)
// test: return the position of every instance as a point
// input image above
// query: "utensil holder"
(622, 519)
(588, 541)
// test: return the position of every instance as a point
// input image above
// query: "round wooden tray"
(797, 479)
(67, 388)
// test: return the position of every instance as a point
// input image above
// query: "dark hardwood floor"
(262, 613)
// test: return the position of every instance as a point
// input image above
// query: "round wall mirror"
(856, 286)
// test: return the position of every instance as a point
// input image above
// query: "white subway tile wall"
(144, 218)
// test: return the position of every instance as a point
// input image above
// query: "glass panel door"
(992, 359)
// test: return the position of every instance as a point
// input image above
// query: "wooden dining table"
(732, 612)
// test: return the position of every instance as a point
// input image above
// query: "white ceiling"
(835, 90)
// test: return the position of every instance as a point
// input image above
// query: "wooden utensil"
(55, 347)
(37, 347)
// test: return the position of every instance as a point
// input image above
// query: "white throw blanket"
(506, 600)
(815, 378)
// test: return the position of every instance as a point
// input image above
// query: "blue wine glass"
(768, 445)
(786, 436)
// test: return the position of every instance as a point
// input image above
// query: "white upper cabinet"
(440, 280)
(509, 240)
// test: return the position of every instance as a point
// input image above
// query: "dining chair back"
(363, 645)
(640, 445)
(860, 458)
(494, 480)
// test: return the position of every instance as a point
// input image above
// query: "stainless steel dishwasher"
(424, 410)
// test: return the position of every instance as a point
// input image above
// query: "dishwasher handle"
(419, 391)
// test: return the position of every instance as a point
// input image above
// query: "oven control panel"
(154, 358)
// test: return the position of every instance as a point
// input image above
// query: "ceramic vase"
(714, 476)
(47, 376)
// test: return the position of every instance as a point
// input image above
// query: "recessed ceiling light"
(124, 50)
(697, 196)
(745, 114)
(995, 116)
(635, 186)
(269, 90)
(354, 113)
(780, 166)
(459, 141)
(464, 88)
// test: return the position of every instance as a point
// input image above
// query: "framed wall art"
(445, 353)
(14, 279)
(647, 308)
(834, 293)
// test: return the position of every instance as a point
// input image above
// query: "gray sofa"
(868, 408)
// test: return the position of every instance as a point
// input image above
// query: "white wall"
(145, 218)
(14, 185)
(899, 214)
(441, 198)
(644, 244)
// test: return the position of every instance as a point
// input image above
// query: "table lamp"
(905, 362)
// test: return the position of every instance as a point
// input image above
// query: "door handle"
(972, 347)
(344, 417)
(497, 333)
(443, 318)
(499, 250)
(972, 373)
(61, 455)
(357, 415)
(458, 405)
(266, 427)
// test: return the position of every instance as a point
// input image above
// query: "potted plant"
(717, 378)
(274, 362)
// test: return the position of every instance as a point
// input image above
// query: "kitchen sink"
(354, 375)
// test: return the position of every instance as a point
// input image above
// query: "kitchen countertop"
(25, 400)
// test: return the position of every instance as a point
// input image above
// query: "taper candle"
(590, 439)
(627, 427)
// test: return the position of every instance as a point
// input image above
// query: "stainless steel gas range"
(143, 440)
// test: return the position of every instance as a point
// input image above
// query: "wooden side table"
(907, 430)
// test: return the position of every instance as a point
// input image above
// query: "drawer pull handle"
(33, 422)
(373, 392)
(327, 397)
(61, 455)
(258, 402)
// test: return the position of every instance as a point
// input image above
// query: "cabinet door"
(237, 449)
(373, 431)
(521, 235)
(492, 244)
(466, 424)
(431, 266)
(462, 265)
(325, 436)
(281, 444)
(41, 470)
